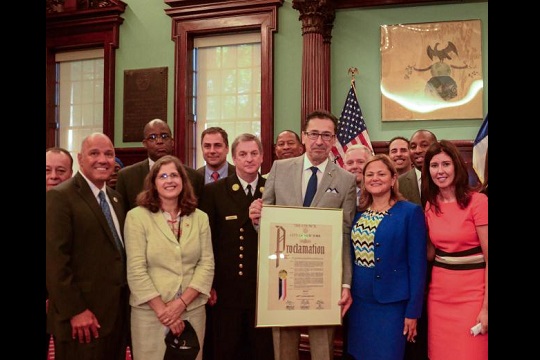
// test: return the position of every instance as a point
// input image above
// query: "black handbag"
(184, 346)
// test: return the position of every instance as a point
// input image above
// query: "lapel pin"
(235, 187)
(115, 199)
(261, 189)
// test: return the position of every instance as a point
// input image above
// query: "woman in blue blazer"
(388, 243)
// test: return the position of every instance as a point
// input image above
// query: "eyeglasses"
(313, 135)
(165, 176)
(153, 137)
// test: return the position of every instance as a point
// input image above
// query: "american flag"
(351, 127)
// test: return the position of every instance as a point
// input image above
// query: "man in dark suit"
(409, 186)
(158, 141)
(235, 245)
(409, 182)
(88, 311)
(287, 184)
(215, 147)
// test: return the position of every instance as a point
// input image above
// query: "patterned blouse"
(363, 237)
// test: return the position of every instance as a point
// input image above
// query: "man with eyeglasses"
(287, 185)
(158, 142)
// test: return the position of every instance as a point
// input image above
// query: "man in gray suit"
(88, 311)
(286, 185)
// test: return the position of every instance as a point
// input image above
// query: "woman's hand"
(177, 327)
(171, 312)
(482, 318)
(409, 329)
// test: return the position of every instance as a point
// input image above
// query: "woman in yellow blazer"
(170, 261)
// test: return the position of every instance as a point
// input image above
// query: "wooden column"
(317, 18)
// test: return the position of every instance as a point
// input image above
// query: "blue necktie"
(311, 187)
(107, 211)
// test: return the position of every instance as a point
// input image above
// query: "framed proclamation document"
(299, 266)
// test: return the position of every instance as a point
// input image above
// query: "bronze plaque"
(145, 98)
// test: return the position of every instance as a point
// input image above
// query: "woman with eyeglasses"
(170, 261)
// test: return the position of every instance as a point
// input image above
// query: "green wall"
(145, 42)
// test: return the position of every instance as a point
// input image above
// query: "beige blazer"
(159, 265)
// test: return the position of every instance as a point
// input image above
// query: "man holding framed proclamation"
(309, 180)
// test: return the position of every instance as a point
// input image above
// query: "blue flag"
(480, 148)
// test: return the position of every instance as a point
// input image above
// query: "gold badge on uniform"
(261, 189)
(235, 187)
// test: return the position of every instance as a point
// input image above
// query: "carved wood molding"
(78, 28)
(317, 16)
(206, 17)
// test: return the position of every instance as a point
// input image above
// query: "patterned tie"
(215, 176)
(311, 187)
(107, 211)
(249, 194)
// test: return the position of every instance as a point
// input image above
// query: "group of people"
(168, 247)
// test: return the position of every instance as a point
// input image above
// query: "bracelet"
(183, 302)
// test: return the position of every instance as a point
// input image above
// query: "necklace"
(175, 225)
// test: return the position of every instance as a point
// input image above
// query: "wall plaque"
(145, 98)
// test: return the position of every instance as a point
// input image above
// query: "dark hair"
(366, 199)
(430, 191)
(433, 136)
(243, 138)
(291, 132)
(216, 130)
(398, 138)
(321, 114)
(58, 150)
(149, 198)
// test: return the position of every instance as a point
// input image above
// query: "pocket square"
(332, 190)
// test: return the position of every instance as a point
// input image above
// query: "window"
(206, 19)
(227, 86)
(79, 100)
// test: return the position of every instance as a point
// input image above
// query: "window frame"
(208, 18)
(80, 30)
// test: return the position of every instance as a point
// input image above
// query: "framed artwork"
(299, 273)
(432, 71)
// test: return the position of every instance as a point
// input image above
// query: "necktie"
(215, 176)
(311, 187)
(249, 195)
(107, 211)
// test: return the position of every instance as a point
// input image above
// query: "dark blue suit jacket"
(400, 257)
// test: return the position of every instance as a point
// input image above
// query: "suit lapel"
(326, 180)
(235, 190)
(162, 225)
(88, 196)
(298, 169)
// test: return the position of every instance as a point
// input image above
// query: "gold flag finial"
(352, 71)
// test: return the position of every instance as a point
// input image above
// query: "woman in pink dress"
(457, 221)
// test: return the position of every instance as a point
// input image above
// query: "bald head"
(152, 124)
(158, 139)
(96, 158)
